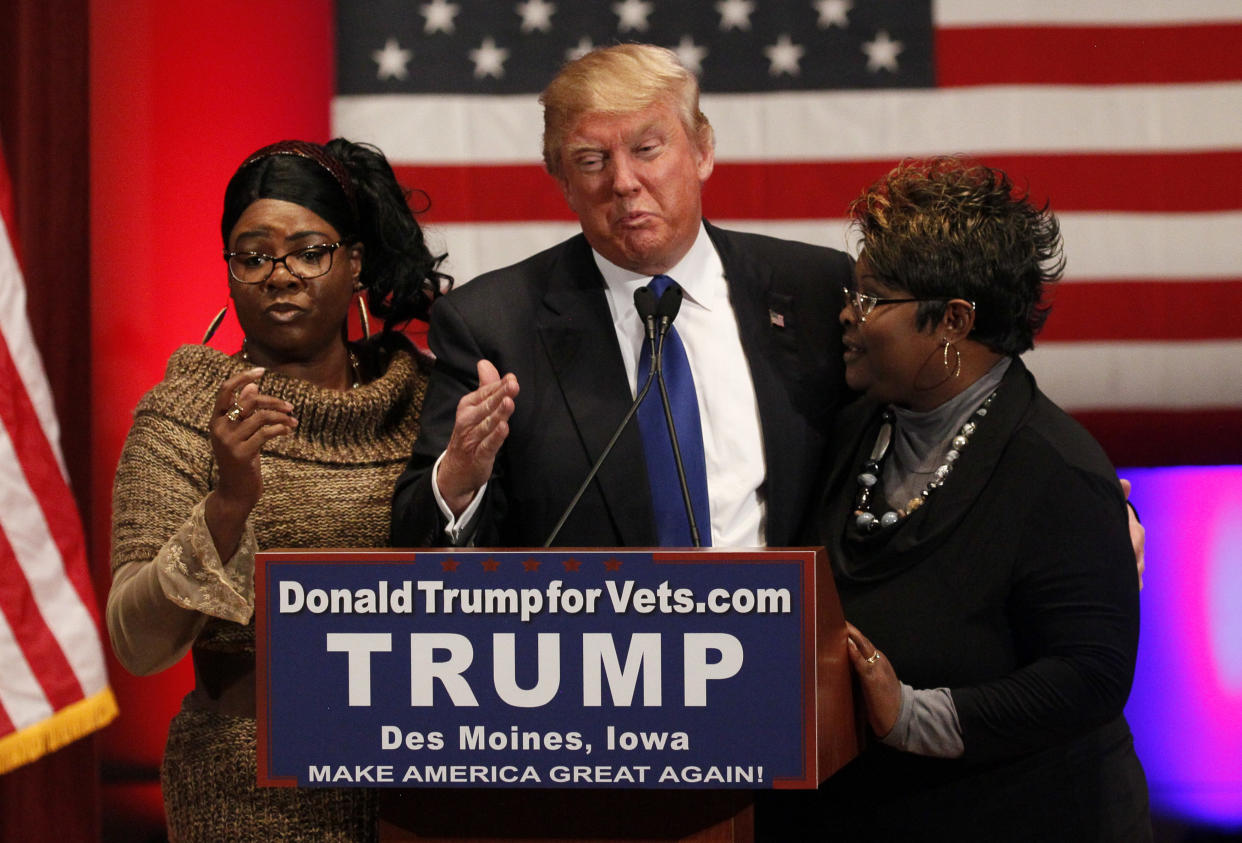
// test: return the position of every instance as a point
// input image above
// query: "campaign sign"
(618, 669)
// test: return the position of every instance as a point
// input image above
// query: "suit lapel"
(768, 332)
(578, 336)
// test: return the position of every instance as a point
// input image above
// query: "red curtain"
(119, 164)
(43, 124)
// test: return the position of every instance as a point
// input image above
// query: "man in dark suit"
(630, 149)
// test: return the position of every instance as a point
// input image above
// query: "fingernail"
(257, 371)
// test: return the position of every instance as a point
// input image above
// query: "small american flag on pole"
(53, 684)
(1126, 115)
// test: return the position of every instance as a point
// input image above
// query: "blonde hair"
(621, 79)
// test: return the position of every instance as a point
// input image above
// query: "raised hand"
(243, 420)
(479, 429)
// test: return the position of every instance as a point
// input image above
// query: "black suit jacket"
(546, 319)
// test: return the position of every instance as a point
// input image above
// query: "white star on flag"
(489, 60)
(584, 46)
(784, 56)
(632, 15)
(882, 52)
(948, 68)
(690, 55)
(833, 13)
(735, 14)
(392, 60)
(536, 15)
(439, 15)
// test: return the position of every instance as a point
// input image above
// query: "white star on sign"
(735, 14)
(392, 60)
(784, 56)
(690, 55)
(882, 53)
(632, 15)
(439, 15)
(585, 45)
(489, 60)
(536, 15)
(833, 13)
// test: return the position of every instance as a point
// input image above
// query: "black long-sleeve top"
(1015, 587)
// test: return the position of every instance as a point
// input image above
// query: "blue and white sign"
(642, 669)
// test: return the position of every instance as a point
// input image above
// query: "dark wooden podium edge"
(473, 816)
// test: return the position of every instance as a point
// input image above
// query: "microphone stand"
(645, 304)
(666, 310)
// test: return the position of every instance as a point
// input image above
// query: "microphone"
(645, 304)
(666, 311)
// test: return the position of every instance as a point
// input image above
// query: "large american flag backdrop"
(1125, 114)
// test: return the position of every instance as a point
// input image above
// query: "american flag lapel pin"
(776, 319)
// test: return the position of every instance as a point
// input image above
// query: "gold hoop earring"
(215, 325)
(364, 317)
(957, 362)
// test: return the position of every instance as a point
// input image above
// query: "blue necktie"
(672, 526)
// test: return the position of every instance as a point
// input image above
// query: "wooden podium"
(714, 816)
(812, 635)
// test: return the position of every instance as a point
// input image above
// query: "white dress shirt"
(732, 438)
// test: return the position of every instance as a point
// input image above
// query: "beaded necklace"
(866, 520)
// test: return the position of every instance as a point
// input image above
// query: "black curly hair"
(950, 227)
(352, 186)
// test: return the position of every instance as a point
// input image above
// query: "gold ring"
(875, 657)
(234, 413)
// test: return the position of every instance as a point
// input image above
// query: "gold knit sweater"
(327, 485)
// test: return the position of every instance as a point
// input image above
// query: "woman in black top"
(978, 537)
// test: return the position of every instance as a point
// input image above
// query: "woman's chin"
(856, 380)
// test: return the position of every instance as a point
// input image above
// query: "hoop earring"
(215, 324)
(364, 317)
(957, 362)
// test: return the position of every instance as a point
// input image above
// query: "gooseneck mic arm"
(645, 304)
(666, 312)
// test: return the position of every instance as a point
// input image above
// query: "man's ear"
(707, 160)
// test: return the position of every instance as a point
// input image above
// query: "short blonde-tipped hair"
(621, 79)
(949, 227)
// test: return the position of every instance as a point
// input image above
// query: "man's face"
(635, 182)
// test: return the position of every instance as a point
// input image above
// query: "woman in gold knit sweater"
(293, 441)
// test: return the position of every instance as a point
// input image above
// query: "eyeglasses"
(305, 263)
(863, 304)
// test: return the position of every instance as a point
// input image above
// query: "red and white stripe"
(53, 687)
(1125, 115)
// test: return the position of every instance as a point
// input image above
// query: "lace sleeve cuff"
(192, 576)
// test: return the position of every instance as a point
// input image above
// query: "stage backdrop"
(1127, 114)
